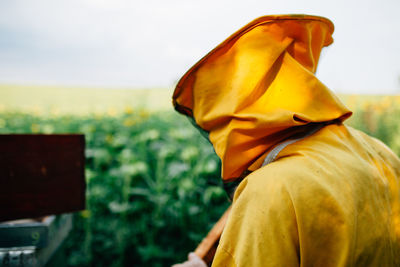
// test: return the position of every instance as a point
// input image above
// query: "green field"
(58, 100)
(153, 185)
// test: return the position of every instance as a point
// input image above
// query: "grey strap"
(274, 153)
(230, 187)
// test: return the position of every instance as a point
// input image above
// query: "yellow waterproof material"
(331, 199)
(257, 83)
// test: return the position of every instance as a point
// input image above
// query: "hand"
(193, 261)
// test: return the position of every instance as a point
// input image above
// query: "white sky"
(151, 43)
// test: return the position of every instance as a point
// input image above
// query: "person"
(307, 189)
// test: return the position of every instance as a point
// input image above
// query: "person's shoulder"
(274, 179)
(376, 147)
(297, 176)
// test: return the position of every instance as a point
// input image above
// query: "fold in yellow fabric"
(329, 199)
(256, 87)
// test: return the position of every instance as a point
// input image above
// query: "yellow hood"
(255, 88)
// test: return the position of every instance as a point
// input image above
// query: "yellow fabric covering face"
(330, 199)
(251, 91)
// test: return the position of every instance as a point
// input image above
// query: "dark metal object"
(23, 234)
(21, 252)
(41, 175)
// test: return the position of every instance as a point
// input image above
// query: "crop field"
(153, 186)
(47, 100)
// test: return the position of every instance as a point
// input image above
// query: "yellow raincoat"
(329, 198)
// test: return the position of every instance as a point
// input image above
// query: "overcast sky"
(151, 43)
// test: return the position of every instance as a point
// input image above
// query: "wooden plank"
(208, 246)
(41, 175)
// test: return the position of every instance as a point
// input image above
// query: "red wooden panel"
(41, 175)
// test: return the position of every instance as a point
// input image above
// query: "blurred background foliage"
(153, 186)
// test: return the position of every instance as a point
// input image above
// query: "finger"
(196, 260)
(192, 256)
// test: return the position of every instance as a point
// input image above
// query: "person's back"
(330, 198)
